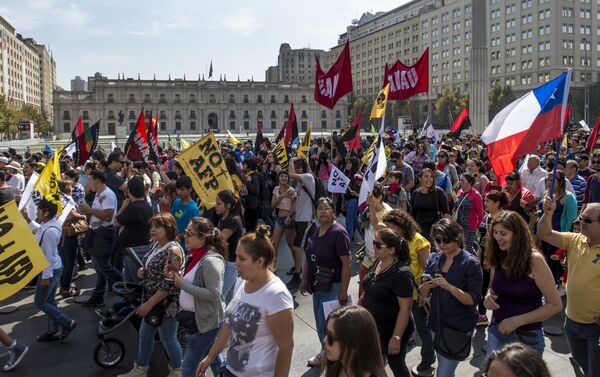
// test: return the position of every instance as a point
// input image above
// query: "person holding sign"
(47, 234)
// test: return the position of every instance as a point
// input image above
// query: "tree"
(9, 118)
(28, 112)
(499, 98)
(361, 104)
(448, 100)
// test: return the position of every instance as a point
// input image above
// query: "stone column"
(480, 67)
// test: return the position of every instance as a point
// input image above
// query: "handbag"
(187, 321)
(322, 279)
(155, 316)
(449, 342)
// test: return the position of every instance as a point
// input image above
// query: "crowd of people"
(441, 242)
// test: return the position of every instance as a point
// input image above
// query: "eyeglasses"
(379, 244)
(440, 240)
(586, 220)
(329, 338)
(189, 233)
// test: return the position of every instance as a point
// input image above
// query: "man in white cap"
(17, 179)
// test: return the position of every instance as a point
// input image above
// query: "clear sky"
(180, 37)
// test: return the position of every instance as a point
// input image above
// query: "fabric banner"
(86, 143)
(407, 81)
(21, 258)
(152, 132)
(136, 148)
(375, 170)
(338, 182)
(304, 148)
(378, 109)
(281, 154)
(203, 163)
(47, 183)
(337, 82)
(29, 189)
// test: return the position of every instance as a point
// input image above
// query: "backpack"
(319, 192)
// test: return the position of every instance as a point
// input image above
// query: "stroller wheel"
(109, 353)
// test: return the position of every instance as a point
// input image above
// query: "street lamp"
(586, 95)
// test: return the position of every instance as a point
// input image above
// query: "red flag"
(86, 143)
(136, 148)
(352, 134)
(259, 141)
(291, 132)
(78, 130)
(337, 82)
(593, 137)
(153, 138)
(462, 118)
(406, 81)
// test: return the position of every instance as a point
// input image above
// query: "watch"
(396, 337)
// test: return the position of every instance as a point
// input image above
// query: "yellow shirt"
(417, 243)
(583, 284)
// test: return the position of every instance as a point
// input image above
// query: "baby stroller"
(109, 352)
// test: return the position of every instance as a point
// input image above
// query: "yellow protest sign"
(232, 138)
(47, 183)
(304, 148)
(21, 259)
(378, 109)
(281, 154)
(203, 163)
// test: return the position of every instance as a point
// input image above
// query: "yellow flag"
(21, 258)
(47, 183)
(378, 109)
(203, 163)
(281, 154)
(233, 140)
(373, 132)
(184, 143)
(305, 146)
(565, 143)
(367, 156)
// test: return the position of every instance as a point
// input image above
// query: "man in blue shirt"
(579, 183)
(184, 209)
(247, 153)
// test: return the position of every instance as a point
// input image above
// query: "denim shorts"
(280, 222)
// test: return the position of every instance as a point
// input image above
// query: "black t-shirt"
(134, 220)
(234, 223)
(381, 296)
(6, 195)
(114, 182)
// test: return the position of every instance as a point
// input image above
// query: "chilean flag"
(534, 118)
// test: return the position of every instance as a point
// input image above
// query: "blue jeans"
(198, 346)
(318, 299)
(420, 317)
(168, 336)
(102, 252)
(351, 216)
(446, 367)
(45, 300)
(229, 279)
(583, 341)
(532, 338)
(68, 254)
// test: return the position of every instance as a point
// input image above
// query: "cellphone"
(426, 277)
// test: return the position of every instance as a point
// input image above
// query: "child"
(394, 194)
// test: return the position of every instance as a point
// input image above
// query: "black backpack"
(319, 192)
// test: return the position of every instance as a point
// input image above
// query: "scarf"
(195, 256)
(394, 187)
(441, 167)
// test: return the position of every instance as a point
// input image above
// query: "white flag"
(431, 133)
(423, 130)
(375, 170)
(28, 192)
(70, 150)
(338, 182)
(584, 126)
(113, 146)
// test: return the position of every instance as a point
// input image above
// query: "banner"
(68, 205)
(338, 182)
(136, 148)
(378, 109)
(152, 133)
(233, 140)
(21, 258)
(47, 183)
(304, 148)
(78, 130)
(86, 143)
(203, 163)
(281, 154)
(337, 82)
(407, 81)
(375, 170)
(29, 189)
(291, 132)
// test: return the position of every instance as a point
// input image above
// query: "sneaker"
(16, 355)
(482, 321)
(93, 302)
(174, 372)
(67, 330)
(295, 282)
(562, 290)
(424, 369)
(137, 371)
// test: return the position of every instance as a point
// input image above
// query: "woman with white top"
(259, 319)
(47, 234)
(284, 198)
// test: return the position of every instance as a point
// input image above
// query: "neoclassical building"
(189, 107)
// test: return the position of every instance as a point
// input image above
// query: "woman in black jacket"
(429, 203)
(252, 200)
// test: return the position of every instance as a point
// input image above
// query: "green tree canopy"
(448, 99)
(499, 98)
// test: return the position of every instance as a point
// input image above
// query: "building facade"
(78, 84)
(27, 70)
(297, 65)
(528, 42)
(192, 107)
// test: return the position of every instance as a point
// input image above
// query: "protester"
(183, 208)
(351, 196)
(47, 234)
(388, 290)
(533, 173)
(6, 192)
(161, 297)
(258, 322)
(515, 360)
(418, 159)
(428, 203)
(520, 199)
(72, 227)
(444, 165)
(468, 211)
(230, 225)
(520, 278)
(283, 200)
(579, 183)
(352, 347)
(327, 267)
(17, 179)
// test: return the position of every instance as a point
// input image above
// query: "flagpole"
(558, 143)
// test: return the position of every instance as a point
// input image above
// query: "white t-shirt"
(252, 348)
(104, 200)
(17, 182)
(186, 300)
(304, 204)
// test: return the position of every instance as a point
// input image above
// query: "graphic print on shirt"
(243, 323)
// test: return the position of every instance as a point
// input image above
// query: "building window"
(131, 98)
(323, 124)
(338, 124)
(146, 98)
(177, 114)
(231, 114)
(304, 125)
(66, 115)
(338, 114)
(177, 126)
(246, 98)
(193, 126)
(66, 127)
(163, 126)
(232, 125)
(163, 115)
(273, 98)
(177, 98)
(246, 125)
(286, 99)
(131, 114)
(303, 99)
(273, 124)
(192, 114)
(260, 114)
(246, 114)
(273, 114)
(111, 128)
(212, 99)
(192, 98)
(162, 99)
(259, 99)
(304, 115)
(111, 115)
(86, 115)
(231, 98)
(111, 98)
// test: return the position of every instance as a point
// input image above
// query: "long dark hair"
(227, 197)
(356, 331)
(522, 360)
(516, 261)
(391, 238)
(213, 238)
(403, 221)
(355, 165)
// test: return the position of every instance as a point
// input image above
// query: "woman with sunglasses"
(444, 165)
(562, 220)
(201, 284)
(520, 278)
(258, 324)
(453, 277)
(388, 290)
(161, 296)
(351, 344)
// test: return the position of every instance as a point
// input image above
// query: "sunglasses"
(440, 240)
(329, 338)
(379, 244)
(586, 220)
(189, 233)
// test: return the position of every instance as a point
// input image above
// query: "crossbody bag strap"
(44, 233)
